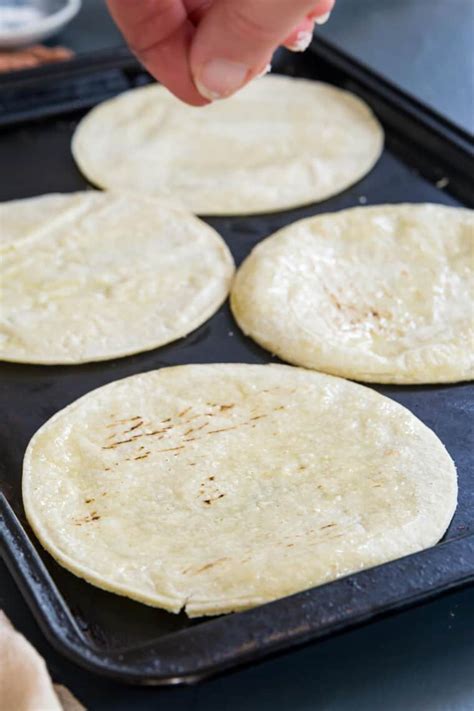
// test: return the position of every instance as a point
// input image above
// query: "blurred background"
(424, 46)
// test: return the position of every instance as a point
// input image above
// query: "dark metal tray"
(114, 636)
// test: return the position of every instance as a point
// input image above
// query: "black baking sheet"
(127, 640)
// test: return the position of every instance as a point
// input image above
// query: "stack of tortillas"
(276, 144)
(214, 488)
(381, 294)
(93, 276)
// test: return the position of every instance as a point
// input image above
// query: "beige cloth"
(25, 684)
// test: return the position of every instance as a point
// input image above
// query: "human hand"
(208, 49)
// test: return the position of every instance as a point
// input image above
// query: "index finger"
(159, 32)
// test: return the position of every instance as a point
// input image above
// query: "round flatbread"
(380, 294)
(215, 488)
(92, 276)
(277, 144)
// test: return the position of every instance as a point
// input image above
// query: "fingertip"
(300, 39)
(234, 41)
(220, 78)
(160, 35)
(168, 63)
(192, 98)
(322, 12)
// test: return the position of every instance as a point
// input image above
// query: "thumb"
(236, 39)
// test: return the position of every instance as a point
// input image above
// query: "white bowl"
(25, 22)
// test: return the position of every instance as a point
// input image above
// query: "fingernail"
(265, 71)
(220, 78)
(322, 19)
(302, 42)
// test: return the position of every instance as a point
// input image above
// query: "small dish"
(25, 22)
